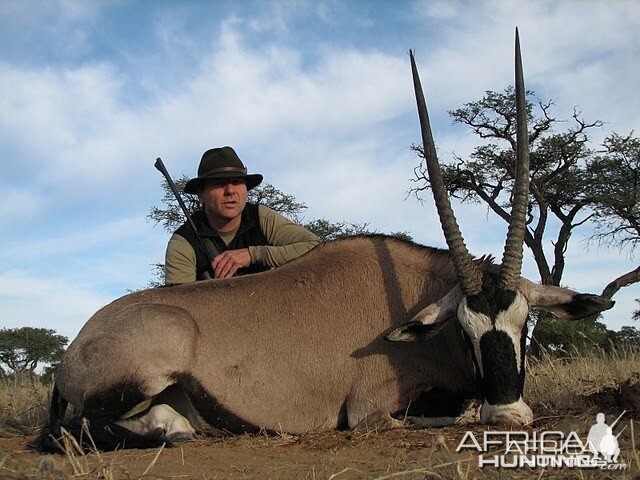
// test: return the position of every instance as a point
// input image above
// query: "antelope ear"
(429, 321)
(564, 303)
(414, 332)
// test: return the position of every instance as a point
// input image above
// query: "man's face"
(224, 198)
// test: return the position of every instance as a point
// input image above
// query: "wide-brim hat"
(221, 163)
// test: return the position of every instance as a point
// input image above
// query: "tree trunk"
(535, 349)
(610, 290)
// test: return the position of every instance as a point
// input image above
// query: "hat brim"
(194, 185)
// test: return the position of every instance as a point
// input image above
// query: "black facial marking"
(585, 304)
(502, 382)
(491, 300)
(523, 351)
(210, 409)
(100, 411)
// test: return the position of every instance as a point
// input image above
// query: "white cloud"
(45, 303)
(79, 131)
(572, 54)
(53, 110)
(330, 125)
(85, 238)
(17, 203)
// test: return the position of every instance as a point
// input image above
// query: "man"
(596, 433)
(241, 237)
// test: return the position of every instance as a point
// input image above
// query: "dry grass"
(24, 404)
(564, 386)
(565, 393)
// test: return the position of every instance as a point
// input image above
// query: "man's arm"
(287, 239)
(180, 261)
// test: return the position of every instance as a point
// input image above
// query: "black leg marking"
(435, 403)
(51, 430)
(100, 412)
(211, 410)
(115, 402)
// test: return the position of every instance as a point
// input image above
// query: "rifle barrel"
(617, 419)
(160, 166)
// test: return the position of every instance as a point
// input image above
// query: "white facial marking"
(475, 325)
(516, 413)
(512, 322)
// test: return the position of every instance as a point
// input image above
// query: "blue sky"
(314, 95)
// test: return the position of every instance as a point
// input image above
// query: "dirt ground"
(403, 453)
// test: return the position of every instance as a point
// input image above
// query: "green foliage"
(22, 349)
(171, 216)
(627, 336)
(559, 337)
(326, 230)
(269, 196)
(615, 180)
(571, 184)
(402, 236)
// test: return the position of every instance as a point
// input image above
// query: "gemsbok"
(357, 331)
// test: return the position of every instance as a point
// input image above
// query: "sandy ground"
(399, 453)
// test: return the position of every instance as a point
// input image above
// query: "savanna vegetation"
(565, 393)
(575, 186)
(577, 368)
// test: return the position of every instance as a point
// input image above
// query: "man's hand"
(227, 263)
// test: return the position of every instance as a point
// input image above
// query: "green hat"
(221, 163)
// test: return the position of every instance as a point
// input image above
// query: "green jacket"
(285, 241)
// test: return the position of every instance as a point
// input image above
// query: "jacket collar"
(204, 230)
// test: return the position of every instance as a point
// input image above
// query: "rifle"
(617, 420)
(160, 166)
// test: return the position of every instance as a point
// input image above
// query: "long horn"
(470, 280)
(512, 257)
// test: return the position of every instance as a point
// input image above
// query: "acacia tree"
(22, 349)
(565, 189)
(615, 179)
(614, 176)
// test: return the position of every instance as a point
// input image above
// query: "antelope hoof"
(517, 413)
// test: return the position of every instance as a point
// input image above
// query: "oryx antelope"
(304, 346)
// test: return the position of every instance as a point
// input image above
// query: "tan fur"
(286, 349)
